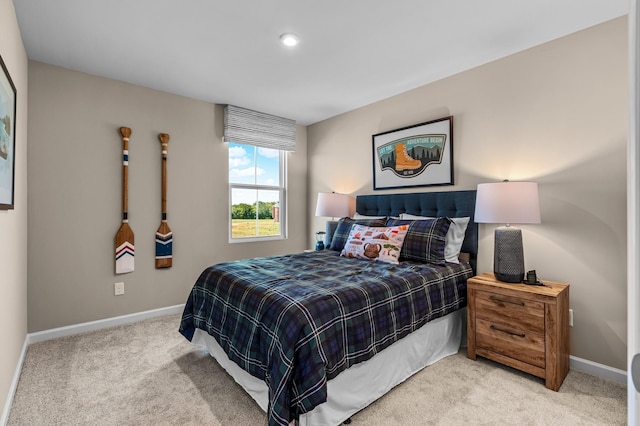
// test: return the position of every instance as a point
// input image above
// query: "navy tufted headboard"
(432, 204)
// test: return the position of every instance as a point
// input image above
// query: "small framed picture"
(7, 138)
(418, 155)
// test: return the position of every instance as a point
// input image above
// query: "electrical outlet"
(570, 317)
(119, 289)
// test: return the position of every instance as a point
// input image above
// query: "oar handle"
(164, 140)
(125, 132)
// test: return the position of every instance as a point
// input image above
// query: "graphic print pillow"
(341, 234)
(381, 244)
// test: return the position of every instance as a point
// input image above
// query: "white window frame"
(282, 189)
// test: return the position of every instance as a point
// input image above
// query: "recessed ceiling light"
(289, 39)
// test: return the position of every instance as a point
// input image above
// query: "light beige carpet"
(147, 374)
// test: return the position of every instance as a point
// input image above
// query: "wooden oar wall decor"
(124, 240)
(164, 236)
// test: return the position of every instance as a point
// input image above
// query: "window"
(257, 176)
(256, 192)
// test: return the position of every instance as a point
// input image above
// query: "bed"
(315, 337)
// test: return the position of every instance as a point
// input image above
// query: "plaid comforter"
(298, 320)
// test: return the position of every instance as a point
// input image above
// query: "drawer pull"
(497, 299)
(507, 331)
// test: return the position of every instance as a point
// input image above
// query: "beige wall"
(75, 196)
(13, 250)
(556, 114)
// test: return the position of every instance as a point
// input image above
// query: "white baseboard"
(599, 370)
(69, 330)
(14, 384)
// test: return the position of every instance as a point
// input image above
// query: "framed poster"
(418, 155)
(7, 138)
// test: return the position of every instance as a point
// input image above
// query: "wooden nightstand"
(522, 326)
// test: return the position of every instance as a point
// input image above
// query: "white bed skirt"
(363, 383)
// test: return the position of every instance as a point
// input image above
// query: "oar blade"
(125, 252)
(164, 246)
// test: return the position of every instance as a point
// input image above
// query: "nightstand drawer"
(521, 313)
(511, 341)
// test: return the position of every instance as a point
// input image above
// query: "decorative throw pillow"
(425, 239)
(381, 244)
(341, 233)
(455, 235)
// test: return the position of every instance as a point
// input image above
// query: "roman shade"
(249, 127)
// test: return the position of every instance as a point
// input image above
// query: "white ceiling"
(352, 53)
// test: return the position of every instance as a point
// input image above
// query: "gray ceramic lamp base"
(508, 257)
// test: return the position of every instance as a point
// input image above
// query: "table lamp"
(507, 203)
(331, 204)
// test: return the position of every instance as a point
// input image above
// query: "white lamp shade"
(331, 204)
(507, 202)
